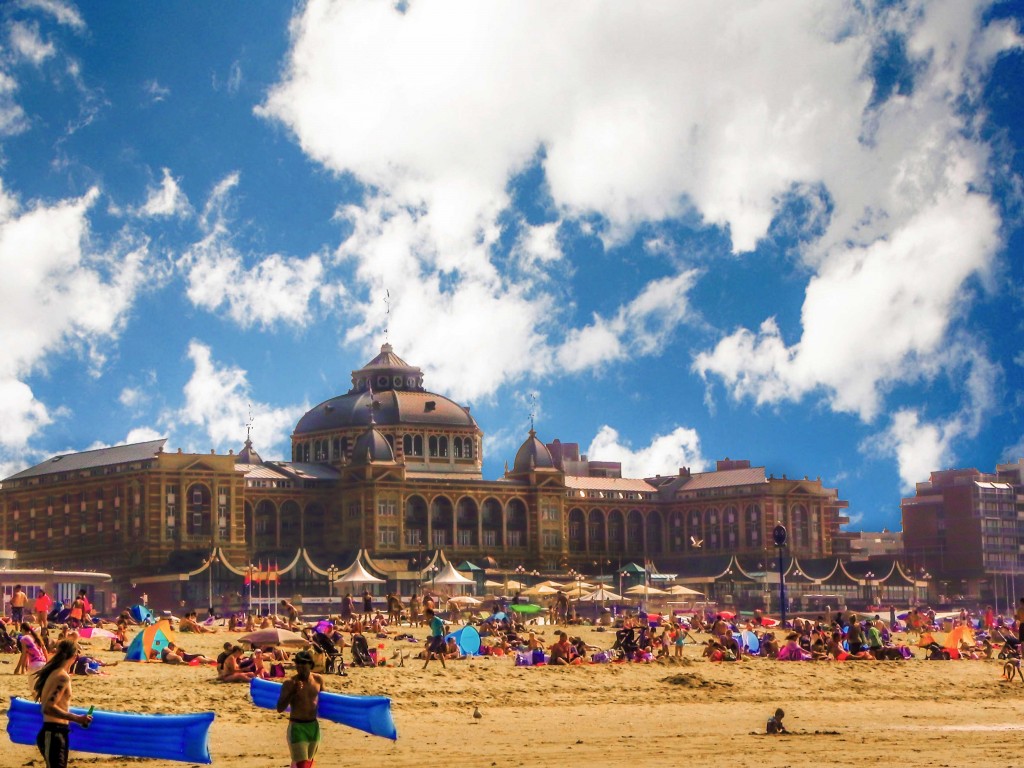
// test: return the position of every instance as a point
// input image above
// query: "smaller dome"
(372, 447)
(248, 454)
(533, 454)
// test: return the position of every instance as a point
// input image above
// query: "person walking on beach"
(52, 688)
(435, 643)
(1019, 616)
(301, 692)
(41, 608)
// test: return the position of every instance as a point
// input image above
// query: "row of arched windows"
(336, 449)
(695, 531)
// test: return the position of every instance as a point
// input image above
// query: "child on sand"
(775, 725)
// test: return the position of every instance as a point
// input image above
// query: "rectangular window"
(413, 538)
(439, 538)
(387, 537)
(465, 538)
(490, 539)
(515, 538)
(387, 507)
(551, 539)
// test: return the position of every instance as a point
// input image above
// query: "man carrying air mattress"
(301, 693)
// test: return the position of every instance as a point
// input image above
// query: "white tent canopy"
(448, 576)
(599, 595)
(357, 574)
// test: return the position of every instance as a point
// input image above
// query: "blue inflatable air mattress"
(168, 737)
(371, 714)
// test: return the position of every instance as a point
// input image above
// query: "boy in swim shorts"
(301, 693)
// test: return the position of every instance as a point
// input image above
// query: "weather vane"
(248, 425)
(533, 408)
(387, 312)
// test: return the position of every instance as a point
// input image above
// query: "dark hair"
(66, 649)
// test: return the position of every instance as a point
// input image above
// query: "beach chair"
(334, 662)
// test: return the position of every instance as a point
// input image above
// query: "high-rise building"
(966, 528)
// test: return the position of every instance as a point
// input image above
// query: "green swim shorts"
(304, 733)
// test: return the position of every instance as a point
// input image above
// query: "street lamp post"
(211, 561)
(779, 537)
(867, 583)
(332, 576)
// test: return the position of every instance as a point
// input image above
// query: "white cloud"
(218, 401)
(639, 114)
(166, 200)
(142, 435)
(12, 116)
(920, 446)
(25, 42)
(155, 91)
(63, 13)
(59, 294)
(664, 456)
(275, 289)
(131, 397)
(638, 328)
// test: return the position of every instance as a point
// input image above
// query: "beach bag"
(538, 656)
(524, 659)
(601, 657)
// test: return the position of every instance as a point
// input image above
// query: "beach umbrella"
(541, 589)
(600, 595)
(640, 589)
(462, 600)
(493, 584)
(513, 584)
(551, 583)
(527, 608)
(273, 636)
(679, 589)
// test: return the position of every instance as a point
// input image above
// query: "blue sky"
(789, 233)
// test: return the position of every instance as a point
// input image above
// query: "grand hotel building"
(392, 470)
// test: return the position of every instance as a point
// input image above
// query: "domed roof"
(533, 454)
(394, 390)
(372, 447)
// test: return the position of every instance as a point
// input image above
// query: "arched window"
(467, 448)
(432, 445)
(457, 447)
(337, 449)
(407, 445)
(442, 446)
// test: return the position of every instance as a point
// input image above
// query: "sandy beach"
(851, 713)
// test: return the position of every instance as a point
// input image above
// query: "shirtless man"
(232, 672)
(53, 688)
(18, 601)
(301, 693)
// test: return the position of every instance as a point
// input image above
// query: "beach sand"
(852, 713)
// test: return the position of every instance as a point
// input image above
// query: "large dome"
(394, 389)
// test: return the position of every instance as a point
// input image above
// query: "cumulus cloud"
(166, 200)
(921, 446)
(641, 114)
(12, 116)
(638, 328)
(664, 456)
(64, 13)
(262, 291)
(218, 402)
(60, 293)
(26, 43)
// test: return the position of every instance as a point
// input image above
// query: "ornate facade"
(395, 470)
